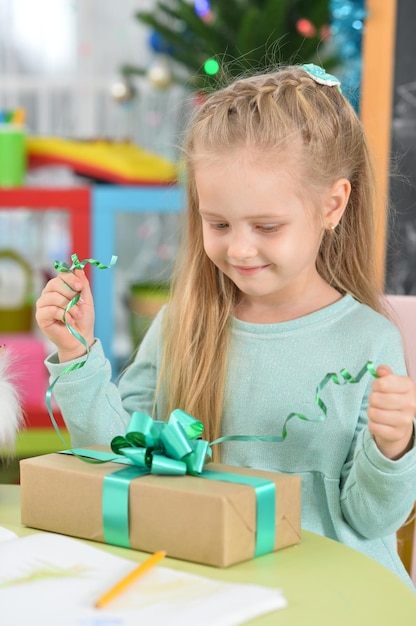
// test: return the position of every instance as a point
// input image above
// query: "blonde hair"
(270, 112)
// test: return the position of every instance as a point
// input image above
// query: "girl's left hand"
(391, 411)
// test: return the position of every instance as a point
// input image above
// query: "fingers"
(53, 308)
(391, 410)
(58, 305)
(62, 289)
(56, 314)
(383, 370)
(388, 382)
(391, 394)
(68, 283)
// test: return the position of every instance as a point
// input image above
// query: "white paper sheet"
(6, 534)
(48, 579)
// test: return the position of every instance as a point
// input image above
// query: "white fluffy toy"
(11, 414)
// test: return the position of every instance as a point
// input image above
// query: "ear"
(336, 201)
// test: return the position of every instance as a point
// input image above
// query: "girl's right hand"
(50, 310)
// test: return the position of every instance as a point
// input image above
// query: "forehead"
(241, 185)
(246, 165)
(289, 156)
(245, 176)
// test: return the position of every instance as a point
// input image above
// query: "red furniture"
(29, 368)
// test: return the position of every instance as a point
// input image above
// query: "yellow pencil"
(122, 584)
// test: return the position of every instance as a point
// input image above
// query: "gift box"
(223, 516)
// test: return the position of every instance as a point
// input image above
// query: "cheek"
(211, 243)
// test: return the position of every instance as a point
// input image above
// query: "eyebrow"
(250, 217)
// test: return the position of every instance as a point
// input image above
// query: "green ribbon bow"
(174, 447)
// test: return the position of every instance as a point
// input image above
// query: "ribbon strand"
(61, 266)
(176, 446)
(339, 379)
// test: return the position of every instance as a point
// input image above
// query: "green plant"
(235, 36)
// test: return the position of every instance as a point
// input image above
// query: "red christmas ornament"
(305, 28)
(325, 32)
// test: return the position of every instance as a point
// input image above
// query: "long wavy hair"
(269, 113)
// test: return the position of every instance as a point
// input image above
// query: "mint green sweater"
(350, 491)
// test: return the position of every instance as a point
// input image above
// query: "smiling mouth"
(249, 271)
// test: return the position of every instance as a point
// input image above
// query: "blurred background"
(90, 68)
(95, 93)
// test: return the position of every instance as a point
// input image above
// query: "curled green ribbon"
(339, 379)
(176, 446)
(61, 266)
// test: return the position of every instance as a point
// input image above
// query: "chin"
(11, 413)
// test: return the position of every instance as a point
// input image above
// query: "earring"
(332, 227)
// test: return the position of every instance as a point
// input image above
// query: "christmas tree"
(209, 41)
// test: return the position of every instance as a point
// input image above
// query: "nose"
(241, 246)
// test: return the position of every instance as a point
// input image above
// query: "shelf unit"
(76, 203)
(93, 213)
(108, 204)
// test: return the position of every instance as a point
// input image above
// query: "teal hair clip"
(319, 75)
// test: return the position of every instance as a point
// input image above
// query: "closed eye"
(219, 225)
(269, 228)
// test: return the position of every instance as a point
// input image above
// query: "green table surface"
(34, 441)
(324, 582)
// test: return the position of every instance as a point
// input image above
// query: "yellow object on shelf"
(118, 162)
(16, 309)
(146, 300)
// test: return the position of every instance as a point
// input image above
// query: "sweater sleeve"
(94, 408)
(378, 493)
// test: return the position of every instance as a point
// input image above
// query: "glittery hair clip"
(319, 75)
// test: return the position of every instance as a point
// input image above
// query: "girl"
(275, 288)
